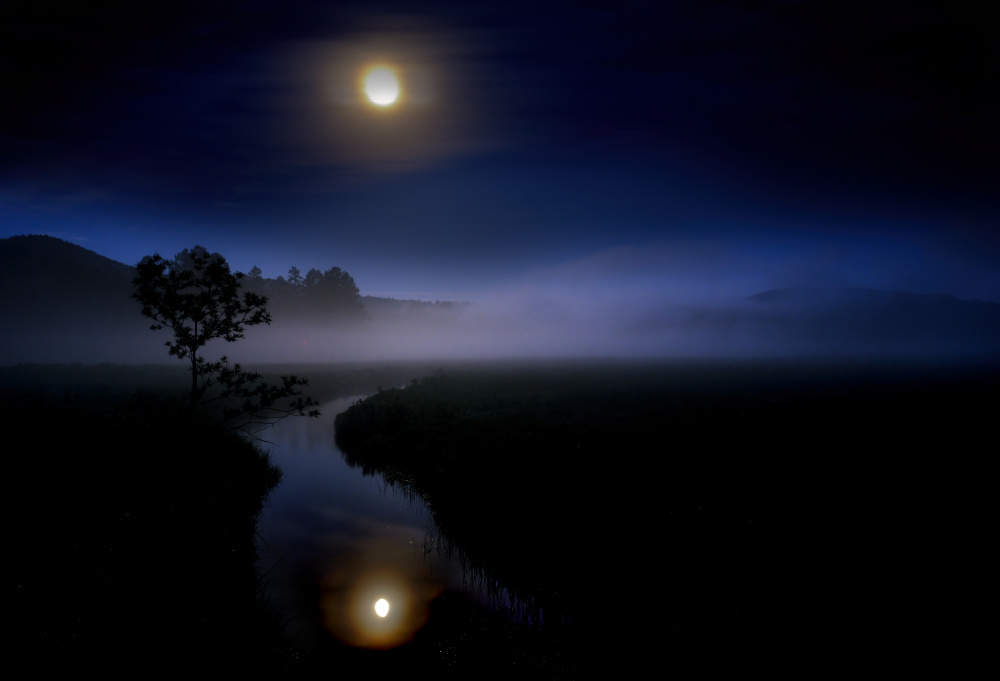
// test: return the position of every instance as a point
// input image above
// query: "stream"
(333, 542)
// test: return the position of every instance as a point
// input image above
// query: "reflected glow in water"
(349, 615)
(341, 541)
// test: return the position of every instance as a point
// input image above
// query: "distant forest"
(318, 296)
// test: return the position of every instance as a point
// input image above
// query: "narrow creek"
(332, 542)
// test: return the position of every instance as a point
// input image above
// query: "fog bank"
(536, 323)
(533, 323)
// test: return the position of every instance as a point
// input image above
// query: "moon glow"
(381, 607)
(381, 86)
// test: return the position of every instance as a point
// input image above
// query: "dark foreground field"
(130, 535)
(709, 518)
(784, 518)
(129, 542)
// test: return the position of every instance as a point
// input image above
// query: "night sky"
(668, 150)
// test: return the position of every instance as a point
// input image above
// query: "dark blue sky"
(670, 149)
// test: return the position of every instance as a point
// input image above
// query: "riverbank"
(710, 517)
(130, 540)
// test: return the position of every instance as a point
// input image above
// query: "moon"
(381, 86)
(381, 607)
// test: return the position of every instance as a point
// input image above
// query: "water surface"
(334, 541)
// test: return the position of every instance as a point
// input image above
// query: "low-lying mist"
(782, 323)
(788, 323)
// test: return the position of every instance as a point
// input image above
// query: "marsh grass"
(712, 515)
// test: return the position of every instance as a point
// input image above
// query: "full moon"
(381, 607)
(381, 86)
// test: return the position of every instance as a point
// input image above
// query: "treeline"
(319, 295)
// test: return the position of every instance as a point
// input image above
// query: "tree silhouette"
(197, 297)
(335, 291)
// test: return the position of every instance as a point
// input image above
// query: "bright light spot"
(378, 608)
(382, 86)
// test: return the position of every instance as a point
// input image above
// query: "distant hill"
(812, 295)
(63, 303)
(863, 321)
(52, 278)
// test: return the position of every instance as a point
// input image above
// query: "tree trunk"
(194, 369)
(194, 379)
